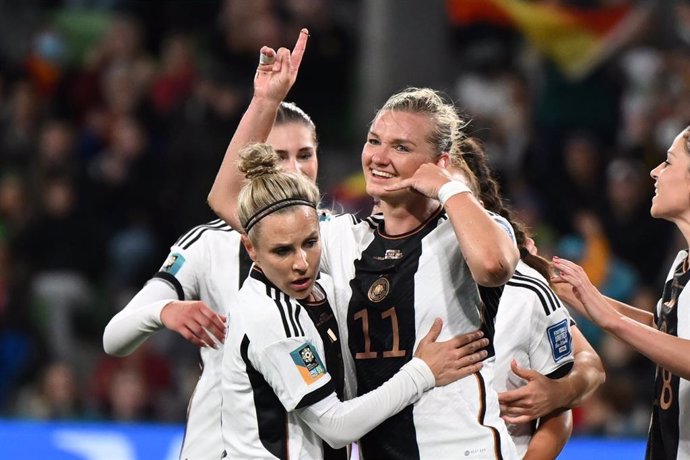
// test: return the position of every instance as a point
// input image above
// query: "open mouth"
(301, 284)
(381, 174)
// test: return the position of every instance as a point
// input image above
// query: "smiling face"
(287, 249)
(296, 147)
(397, 144)
(671, 199)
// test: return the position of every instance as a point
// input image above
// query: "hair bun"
(258, 160)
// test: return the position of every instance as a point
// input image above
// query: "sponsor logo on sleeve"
(308, 363)
(173, 263)
(560, 340)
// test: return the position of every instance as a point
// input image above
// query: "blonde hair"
(269, 189)
(447, 133)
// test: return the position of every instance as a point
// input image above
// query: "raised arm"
(488, 249)
(542, 395)
(668, 351)
(275, 75)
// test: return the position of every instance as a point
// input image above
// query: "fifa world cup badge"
(379, 289)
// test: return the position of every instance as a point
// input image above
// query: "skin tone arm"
(542, 395)
(550, 438)
(490, 253)
(668, 351)
(565, 292)
(271, 84)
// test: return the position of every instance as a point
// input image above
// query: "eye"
(401, 148)
(305, 156)
(373, 141)
(310, 243)
(282, 156)
(281, 251)
(667, 163)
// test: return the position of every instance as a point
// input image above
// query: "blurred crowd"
(114, 116)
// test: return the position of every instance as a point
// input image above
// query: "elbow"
(338, 442)
(495, 272)
(110, 347)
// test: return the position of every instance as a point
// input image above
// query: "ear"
(251, 250)
(443, 160)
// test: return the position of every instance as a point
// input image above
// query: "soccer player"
(541, 357)
(663, 335)
(278, 394)
(197, 285)
(420, 260)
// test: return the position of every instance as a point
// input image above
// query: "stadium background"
(114, 116)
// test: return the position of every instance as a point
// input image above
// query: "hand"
(455, 358)
(275, 77)
(593, 302)
(539, 397)
(427, 180)
(194, 320)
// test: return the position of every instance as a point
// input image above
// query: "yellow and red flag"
(576, 39)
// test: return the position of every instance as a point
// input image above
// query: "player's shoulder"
(215, 232)
(532, 288)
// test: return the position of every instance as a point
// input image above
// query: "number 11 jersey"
(392, 289)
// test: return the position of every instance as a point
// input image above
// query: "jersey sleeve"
(340, 423)
(295, 370)
(138, 320)
(551, 347)
(183, 268)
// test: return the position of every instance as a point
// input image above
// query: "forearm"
(138, 319)
(340, 423)
(668, 351)
(489, 251)
(551, 436)
(586, 375)
(255, 125)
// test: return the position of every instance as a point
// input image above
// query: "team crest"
(379, 290)
(308, 363)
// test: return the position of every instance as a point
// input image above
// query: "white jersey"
(670, 425)
(393, 288)
(207, 263)
(278, 397)
(532, 327)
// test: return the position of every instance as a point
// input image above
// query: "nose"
(300, 263)
(379, 155)
(291, 165)
(654, 173)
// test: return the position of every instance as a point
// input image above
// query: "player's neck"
(405, 217)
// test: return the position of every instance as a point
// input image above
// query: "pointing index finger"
(300, 47)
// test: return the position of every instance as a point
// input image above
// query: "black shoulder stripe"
(194, 234)
(194, 230)
(546, 302)
(174, 282)
(316, 395)
(291, 314)
(299, 325)
(556, 303)
(275, 295)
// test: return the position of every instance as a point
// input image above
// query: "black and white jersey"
(207, 263)
(393, 288)
(532, 327)
(670, 425)
(279, 398)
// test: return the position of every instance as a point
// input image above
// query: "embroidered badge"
(560, 340)
(391, 254)
(379, 289)
(308, 363)
(173, 263)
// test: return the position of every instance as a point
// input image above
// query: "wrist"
(452, 188)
